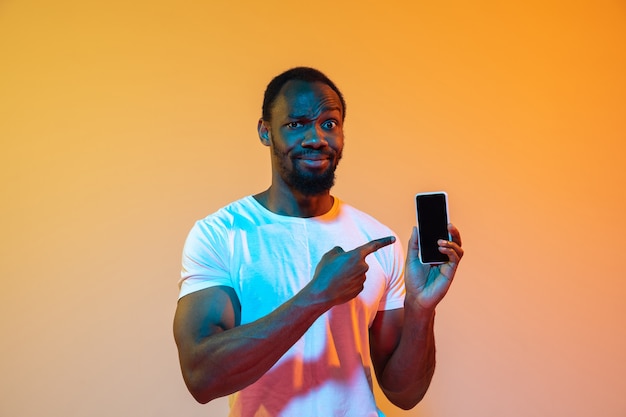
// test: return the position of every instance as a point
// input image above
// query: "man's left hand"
(427, 284)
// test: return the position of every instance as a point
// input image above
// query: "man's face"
(306, 136)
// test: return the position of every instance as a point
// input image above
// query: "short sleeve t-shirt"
(267, 259)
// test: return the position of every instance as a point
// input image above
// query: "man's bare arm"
(403, 356)
(402, 341)
(218, 356)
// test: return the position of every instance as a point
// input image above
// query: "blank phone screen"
(432, 220)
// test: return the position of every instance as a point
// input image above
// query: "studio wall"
(121, 123)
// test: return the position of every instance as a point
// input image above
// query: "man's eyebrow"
(333, 108)
(297, 116)
(324, 110)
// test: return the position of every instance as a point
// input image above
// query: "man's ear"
(264, 132)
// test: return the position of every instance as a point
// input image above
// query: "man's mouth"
(317, 160)
(313, 155)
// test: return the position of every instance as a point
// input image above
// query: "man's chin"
(313, 185)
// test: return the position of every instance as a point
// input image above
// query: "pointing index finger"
(374, 245)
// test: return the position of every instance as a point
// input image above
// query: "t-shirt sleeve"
(205, 258)
(395, 291)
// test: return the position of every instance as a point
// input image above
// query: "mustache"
(307, 153)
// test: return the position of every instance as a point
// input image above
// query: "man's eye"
(330, 124)
(294, 125)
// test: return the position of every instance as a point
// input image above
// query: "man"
(290, 297)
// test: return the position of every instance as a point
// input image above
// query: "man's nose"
(314, 137)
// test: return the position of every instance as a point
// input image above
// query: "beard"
(306, 182)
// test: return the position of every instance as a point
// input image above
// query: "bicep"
(385, 333)
(202, 314)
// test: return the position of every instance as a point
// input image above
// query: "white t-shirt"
(268, 258)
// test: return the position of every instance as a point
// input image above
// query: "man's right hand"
(340, 275)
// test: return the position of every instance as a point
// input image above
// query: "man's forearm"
(230, 360)
(410, 368)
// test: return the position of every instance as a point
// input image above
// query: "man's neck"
(295, 204)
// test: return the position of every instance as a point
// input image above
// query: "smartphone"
(432, 225)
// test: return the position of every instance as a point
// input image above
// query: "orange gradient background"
(121, 123)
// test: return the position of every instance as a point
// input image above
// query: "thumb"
(413, 249)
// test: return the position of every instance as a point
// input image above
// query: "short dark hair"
(307, 74)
